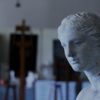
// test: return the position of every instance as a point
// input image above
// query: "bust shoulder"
(88, 94)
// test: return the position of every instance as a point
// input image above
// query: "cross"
(22, 44)
(22, 28)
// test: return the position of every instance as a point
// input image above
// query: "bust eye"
(79, 42)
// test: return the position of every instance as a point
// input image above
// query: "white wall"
(48, 36)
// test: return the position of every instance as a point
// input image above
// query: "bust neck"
(94, 77)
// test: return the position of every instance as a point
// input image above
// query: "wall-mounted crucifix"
(22, 28)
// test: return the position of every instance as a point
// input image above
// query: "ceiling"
(42, 13)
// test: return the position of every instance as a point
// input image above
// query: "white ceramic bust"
(79, 35)
(30, 79)
(13, 79)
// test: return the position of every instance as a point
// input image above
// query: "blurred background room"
(32, 62)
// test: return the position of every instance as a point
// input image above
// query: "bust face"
(81, 51)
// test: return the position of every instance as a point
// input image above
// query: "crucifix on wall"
(23, 54)
(22, 28)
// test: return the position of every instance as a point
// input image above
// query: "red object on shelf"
(3, 82)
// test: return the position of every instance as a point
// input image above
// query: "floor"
(45, 90)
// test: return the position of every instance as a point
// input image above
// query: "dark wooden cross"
(22, 28)
(22, 44)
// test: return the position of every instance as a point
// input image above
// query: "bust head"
(79, 35)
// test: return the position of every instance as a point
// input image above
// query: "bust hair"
(83, 22)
